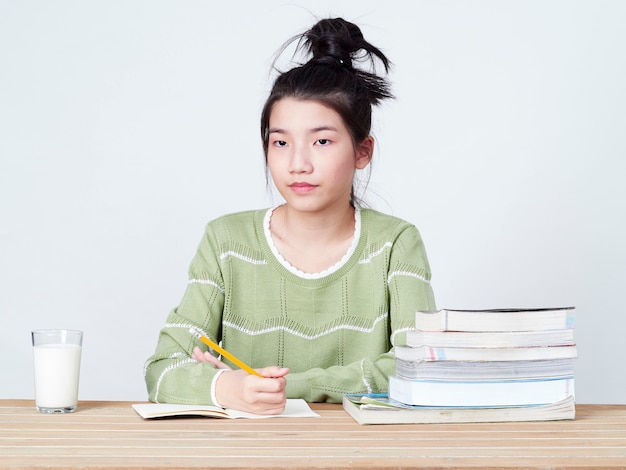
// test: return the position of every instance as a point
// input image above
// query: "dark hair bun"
(336, 39)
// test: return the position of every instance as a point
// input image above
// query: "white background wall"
(126, 125)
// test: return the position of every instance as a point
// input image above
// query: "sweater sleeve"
(408, 284)
(171, 374)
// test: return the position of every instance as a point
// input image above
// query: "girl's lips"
(302, 187)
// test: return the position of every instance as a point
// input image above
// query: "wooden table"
(106, 435)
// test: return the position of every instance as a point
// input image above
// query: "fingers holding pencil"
(268, 372)
(206, 356)
(200, 356)
(216, 347)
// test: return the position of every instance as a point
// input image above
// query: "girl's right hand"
(239, 390)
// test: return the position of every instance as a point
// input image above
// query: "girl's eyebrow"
(324, 128)
(278, 130)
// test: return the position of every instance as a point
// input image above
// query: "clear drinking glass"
(56, 361)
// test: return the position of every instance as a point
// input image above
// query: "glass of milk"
(56, 355)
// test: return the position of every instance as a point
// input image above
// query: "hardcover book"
(510, 319)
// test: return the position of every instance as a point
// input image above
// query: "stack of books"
(487, 365)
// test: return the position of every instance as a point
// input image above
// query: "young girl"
(313, 293)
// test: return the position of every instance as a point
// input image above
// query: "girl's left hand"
(206, 356)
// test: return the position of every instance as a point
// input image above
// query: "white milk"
(57, 368)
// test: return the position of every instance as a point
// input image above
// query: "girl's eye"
(280, 143)
(323, 141)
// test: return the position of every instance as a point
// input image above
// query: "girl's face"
(311, 156)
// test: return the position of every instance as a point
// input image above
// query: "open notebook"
(295, 408)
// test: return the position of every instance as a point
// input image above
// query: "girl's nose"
(300, 161)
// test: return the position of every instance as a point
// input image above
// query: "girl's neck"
(315, 227)
(312, 242)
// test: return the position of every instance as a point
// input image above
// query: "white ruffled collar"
(321, 274)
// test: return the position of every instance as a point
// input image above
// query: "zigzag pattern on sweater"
(208, 282)
(251, 328)
(409, 274)
(247, 259)
(371, 256)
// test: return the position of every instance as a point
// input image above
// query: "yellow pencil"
(223, 352)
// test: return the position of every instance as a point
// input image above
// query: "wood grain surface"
(108, 435)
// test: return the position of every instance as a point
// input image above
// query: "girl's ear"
(364, 153)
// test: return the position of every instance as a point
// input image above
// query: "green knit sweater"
(334, 330)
